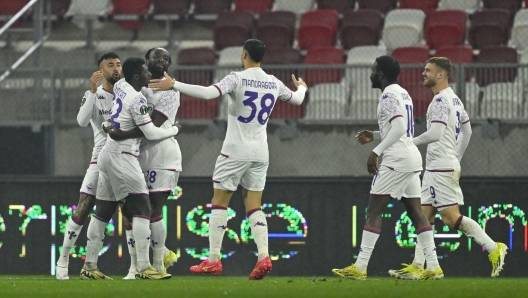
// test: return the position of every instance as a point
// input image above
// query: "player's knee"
(374, 212)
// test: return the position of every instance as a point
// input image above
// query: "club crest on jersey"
(89, 186)
(143, 110)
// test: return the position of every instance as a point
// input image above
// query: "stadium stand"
(207, 10)
(427, 6)
(298, 6)
(340, 5)
(193, 108)
(327, 101)
(59, 7)
(361, 27)
(403, 28)
(496, 54)
(195, 56)
(131, 7)
(174, 7)
(384, 6)
(489, 27)
(10, 8)
(512, 5)
(253, 6)
(469, 6)
(276, 29)
(323, 55)
(519, 34)
(318, 28)
(233, 28)
(502, 100)
(445, 27)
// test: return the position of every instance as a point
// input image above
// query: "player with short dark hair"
(448, 133)
(244, 158)
(397, 177)
(96, 106)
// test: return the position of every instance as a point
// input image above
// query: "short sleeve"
(139, 110)
(167, 102)
(439, 110)
(228, 84)
(285, 93)
(390, 105)
(464, 117)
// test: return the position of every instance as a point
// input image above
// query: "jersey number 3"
(266, 104)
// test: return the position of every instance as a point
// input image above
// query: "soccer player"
(448, 133)
(244, 157)
(96, 106)
(398, 175)
(120, 175)
(160, 161)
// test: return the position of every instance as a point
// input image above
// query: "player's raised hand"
(364, 137)
(94, 79)
(160, 84)
(372, 163)
(298, 82)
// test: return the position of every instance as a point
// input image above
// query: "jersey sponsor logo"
(105, 112)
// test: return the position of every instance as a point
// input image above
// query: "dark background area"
(325, 203)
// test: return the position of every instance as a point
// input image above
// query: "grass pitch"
(234, 287)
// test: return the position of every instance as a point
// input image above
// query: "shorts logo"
(89, 186)
(143, 110)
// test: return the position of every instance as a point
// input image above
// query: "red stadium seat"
(179, 7)
(11, 8)
(133, 7)
(459, 54)
(411, 78)
(284, 56)
(339, 5)
(445, 27)
(489, 27)
(207, 11)
(323, 55)
(512, 5)
(361, 28)
(233, 28)
(383, 6)
(276, 29)
(318, 28)
(196, 56)
(427, 6)
(193, 108)
(497, 54)
(253, 6)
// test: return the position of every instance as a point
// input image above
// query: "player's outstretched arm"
(191, 90)
(293, 97)
(86, 110)
(153, 133)
(433, 134)
(463, 139)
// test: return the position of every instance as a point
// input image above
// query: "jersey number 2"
(266, 104)
(116, 114)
